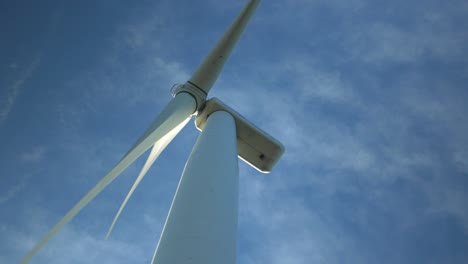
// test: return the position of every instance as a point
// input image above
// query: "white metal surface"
(254, 146)
(201, 227)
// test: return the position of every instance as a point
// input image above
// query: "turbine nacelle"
(254, 146)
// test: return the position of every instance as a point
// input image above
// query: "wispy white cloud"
(447, 199)
(288, 229)
(139, 33)
(26, 72)
(35, 154)
(13, 190)
(385, 42)
(70, 246)
(15, 88)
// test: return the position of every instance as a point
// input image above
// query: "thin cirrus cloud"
(72, 246)
(15, 88)
(34, 155)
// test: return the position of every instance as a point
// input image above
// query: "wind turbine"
(201, 226)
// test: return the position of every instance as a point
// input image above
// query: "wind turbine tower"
(201, 227)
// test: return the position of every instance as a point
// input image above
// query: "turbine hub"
(198, 94)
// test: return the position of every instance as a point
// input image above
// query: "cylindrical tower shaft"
(201, 226)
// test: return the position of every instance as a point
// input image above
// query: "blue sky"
(368, 97)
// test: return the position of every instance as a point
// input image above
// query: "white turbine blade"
(176, 112)
(207, 73)
(158, 147)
